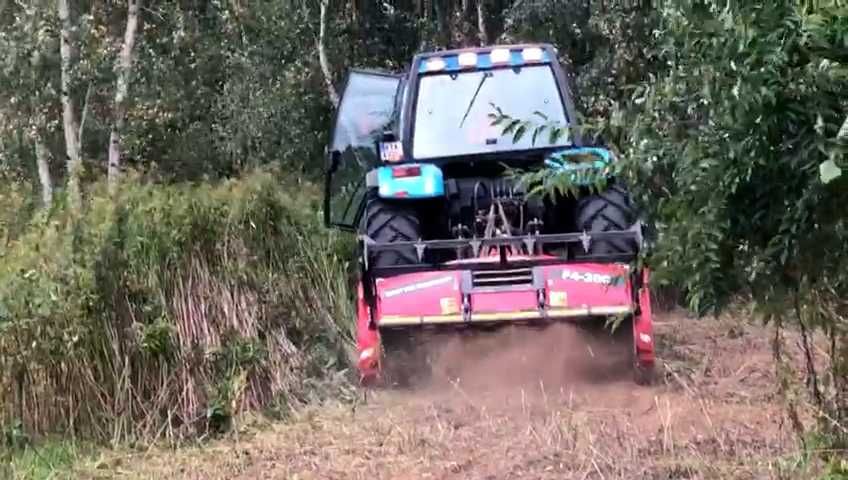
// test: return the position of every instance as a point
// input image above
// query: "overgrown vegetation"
(168, 309)
(727, 145)
(734, 147)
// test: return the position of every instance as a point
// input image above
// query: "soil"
(552, 404)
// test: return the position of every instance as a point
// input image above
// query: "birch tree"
(124, 71)
(322, 56)
(69, 52)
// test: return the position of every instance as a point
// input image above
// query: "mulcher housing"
(420, 167)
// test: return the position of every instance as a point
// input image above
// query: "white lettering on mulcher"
(587, 277)
(417, 286)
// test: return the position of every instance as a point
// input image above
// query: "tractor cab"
(440, 113)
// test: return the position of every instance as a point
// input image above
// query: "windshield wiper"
(470, 104)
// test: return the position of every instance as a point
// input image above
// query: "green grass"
(52, 460)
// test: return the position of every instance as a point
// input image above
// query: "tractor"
(422, 167)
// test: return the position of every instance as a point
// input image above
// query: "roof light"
(435, 64)
(532, 54)
(500, 55)
(467, 59)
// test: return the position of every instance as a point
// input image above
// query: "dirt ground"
(558, 404)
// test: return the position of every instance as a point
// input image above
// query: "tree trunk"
(124, 64)
(42, 161)
(322, 56)
(38, 129)
(443, 11)
(68, 52)
(481, 22)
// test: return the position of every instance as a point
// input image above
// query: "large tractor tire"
(605, 211)
(387, 222)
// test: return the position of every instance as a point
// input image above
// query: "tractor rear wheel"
(609, 210)
(387, 222)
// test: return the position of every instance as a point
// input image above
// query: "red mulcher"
(421, 166)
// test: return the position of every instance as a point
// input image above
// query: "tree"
(124, 71)
(28, 95)
(725, 146)
(69, 51)
(322, 55)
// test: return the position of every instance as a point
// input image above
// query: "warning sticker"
(559, 299)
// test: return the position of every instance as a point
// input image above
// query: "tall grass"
(165, 311)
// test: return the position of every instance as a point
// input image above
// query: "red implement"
(556, 292)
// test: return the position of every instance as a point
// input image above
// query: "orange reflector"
(366, 354)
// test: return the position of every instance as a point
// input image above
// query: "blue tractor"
(419, 166)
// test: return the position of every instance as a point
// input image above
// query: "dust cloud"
(521, 357)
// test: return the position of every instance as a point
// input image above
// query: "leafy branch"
(550, 181)
(518, 128)
(830, 170)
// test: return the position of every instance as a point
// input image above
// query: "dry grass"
(715, 415)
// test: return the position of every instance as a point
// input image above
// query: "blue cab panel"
(410, 180)
(560, 161)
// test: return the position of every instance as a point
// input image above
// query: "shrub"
(166, 309)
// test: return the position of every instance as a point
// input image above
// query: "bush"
(168, 309)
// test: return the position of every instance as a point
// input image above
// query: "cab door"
(365, 112)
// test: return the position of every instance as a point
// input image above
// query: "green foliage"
(728, 147)
(17, 204)
(540, 126)
(734, 143)
(53, 459)
(170, 307)
(542, 181)
(743, 117)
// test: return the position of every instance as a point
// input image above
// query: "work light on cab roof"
(486, 59)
